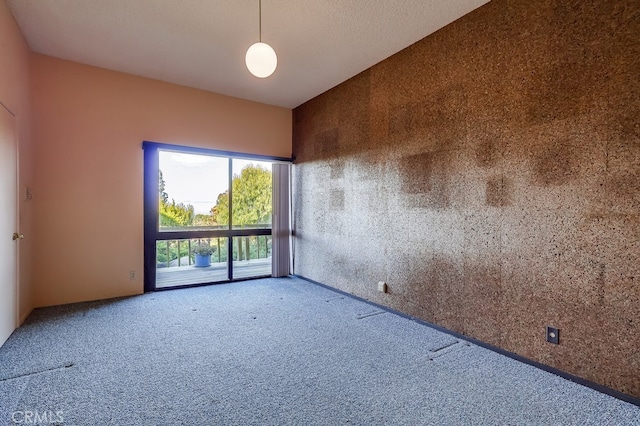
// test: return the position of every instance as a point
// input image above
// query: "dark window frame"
(151, 200)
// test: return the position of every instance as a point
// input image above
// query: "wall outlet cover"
(553, 335)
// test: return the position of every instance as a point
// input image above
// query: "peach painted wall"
(14, 94)
(89, 124)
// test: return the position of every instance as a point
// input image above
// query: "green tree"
(220, 211)
(176, 214)
(251, 198)
(203, 220)
(172, 214)
(164, 197)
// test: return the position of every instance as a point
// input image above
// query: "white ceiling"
(202, 43)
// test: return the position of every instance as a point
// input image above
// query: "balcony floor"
(186, 275)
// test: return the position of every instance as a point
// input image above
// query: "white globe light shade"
(261, 60)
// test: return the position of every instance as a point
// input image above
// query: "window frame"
(151, 200)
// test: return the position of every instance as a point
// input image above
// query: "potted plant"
(203, 254)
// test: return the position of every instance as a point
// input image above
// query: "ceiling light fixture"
(261, 59)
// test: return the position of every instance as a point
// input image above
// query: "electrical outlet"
(132, 275)
(553, 335)
(26, 193)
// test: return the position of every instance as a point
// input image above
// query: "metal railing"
(212, 227)
(181, 252)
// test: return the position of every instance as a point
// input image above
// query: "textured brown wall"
(490, 173)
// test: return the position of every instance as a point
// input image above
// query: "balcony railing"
(175, 260)
(181, 252)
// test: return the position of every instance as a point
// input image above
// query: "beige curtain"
(281, 226)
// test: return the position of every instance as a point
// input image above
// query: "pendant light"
(261, 59)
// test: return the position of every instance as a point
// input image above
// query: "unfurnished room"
(279, 212)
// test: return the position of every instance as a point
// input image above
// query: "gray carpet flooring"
(272, 352)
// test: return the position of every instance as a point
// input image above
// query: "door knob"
(17, 236)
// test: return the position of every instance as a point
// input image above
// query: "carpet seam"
(363, 316)
(34, 373)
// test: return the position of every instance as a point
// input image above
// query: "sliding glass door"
(190, 186)
(208, 216)
(251, 203)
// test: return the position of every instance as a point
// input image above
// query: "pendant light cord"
(260, 18)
